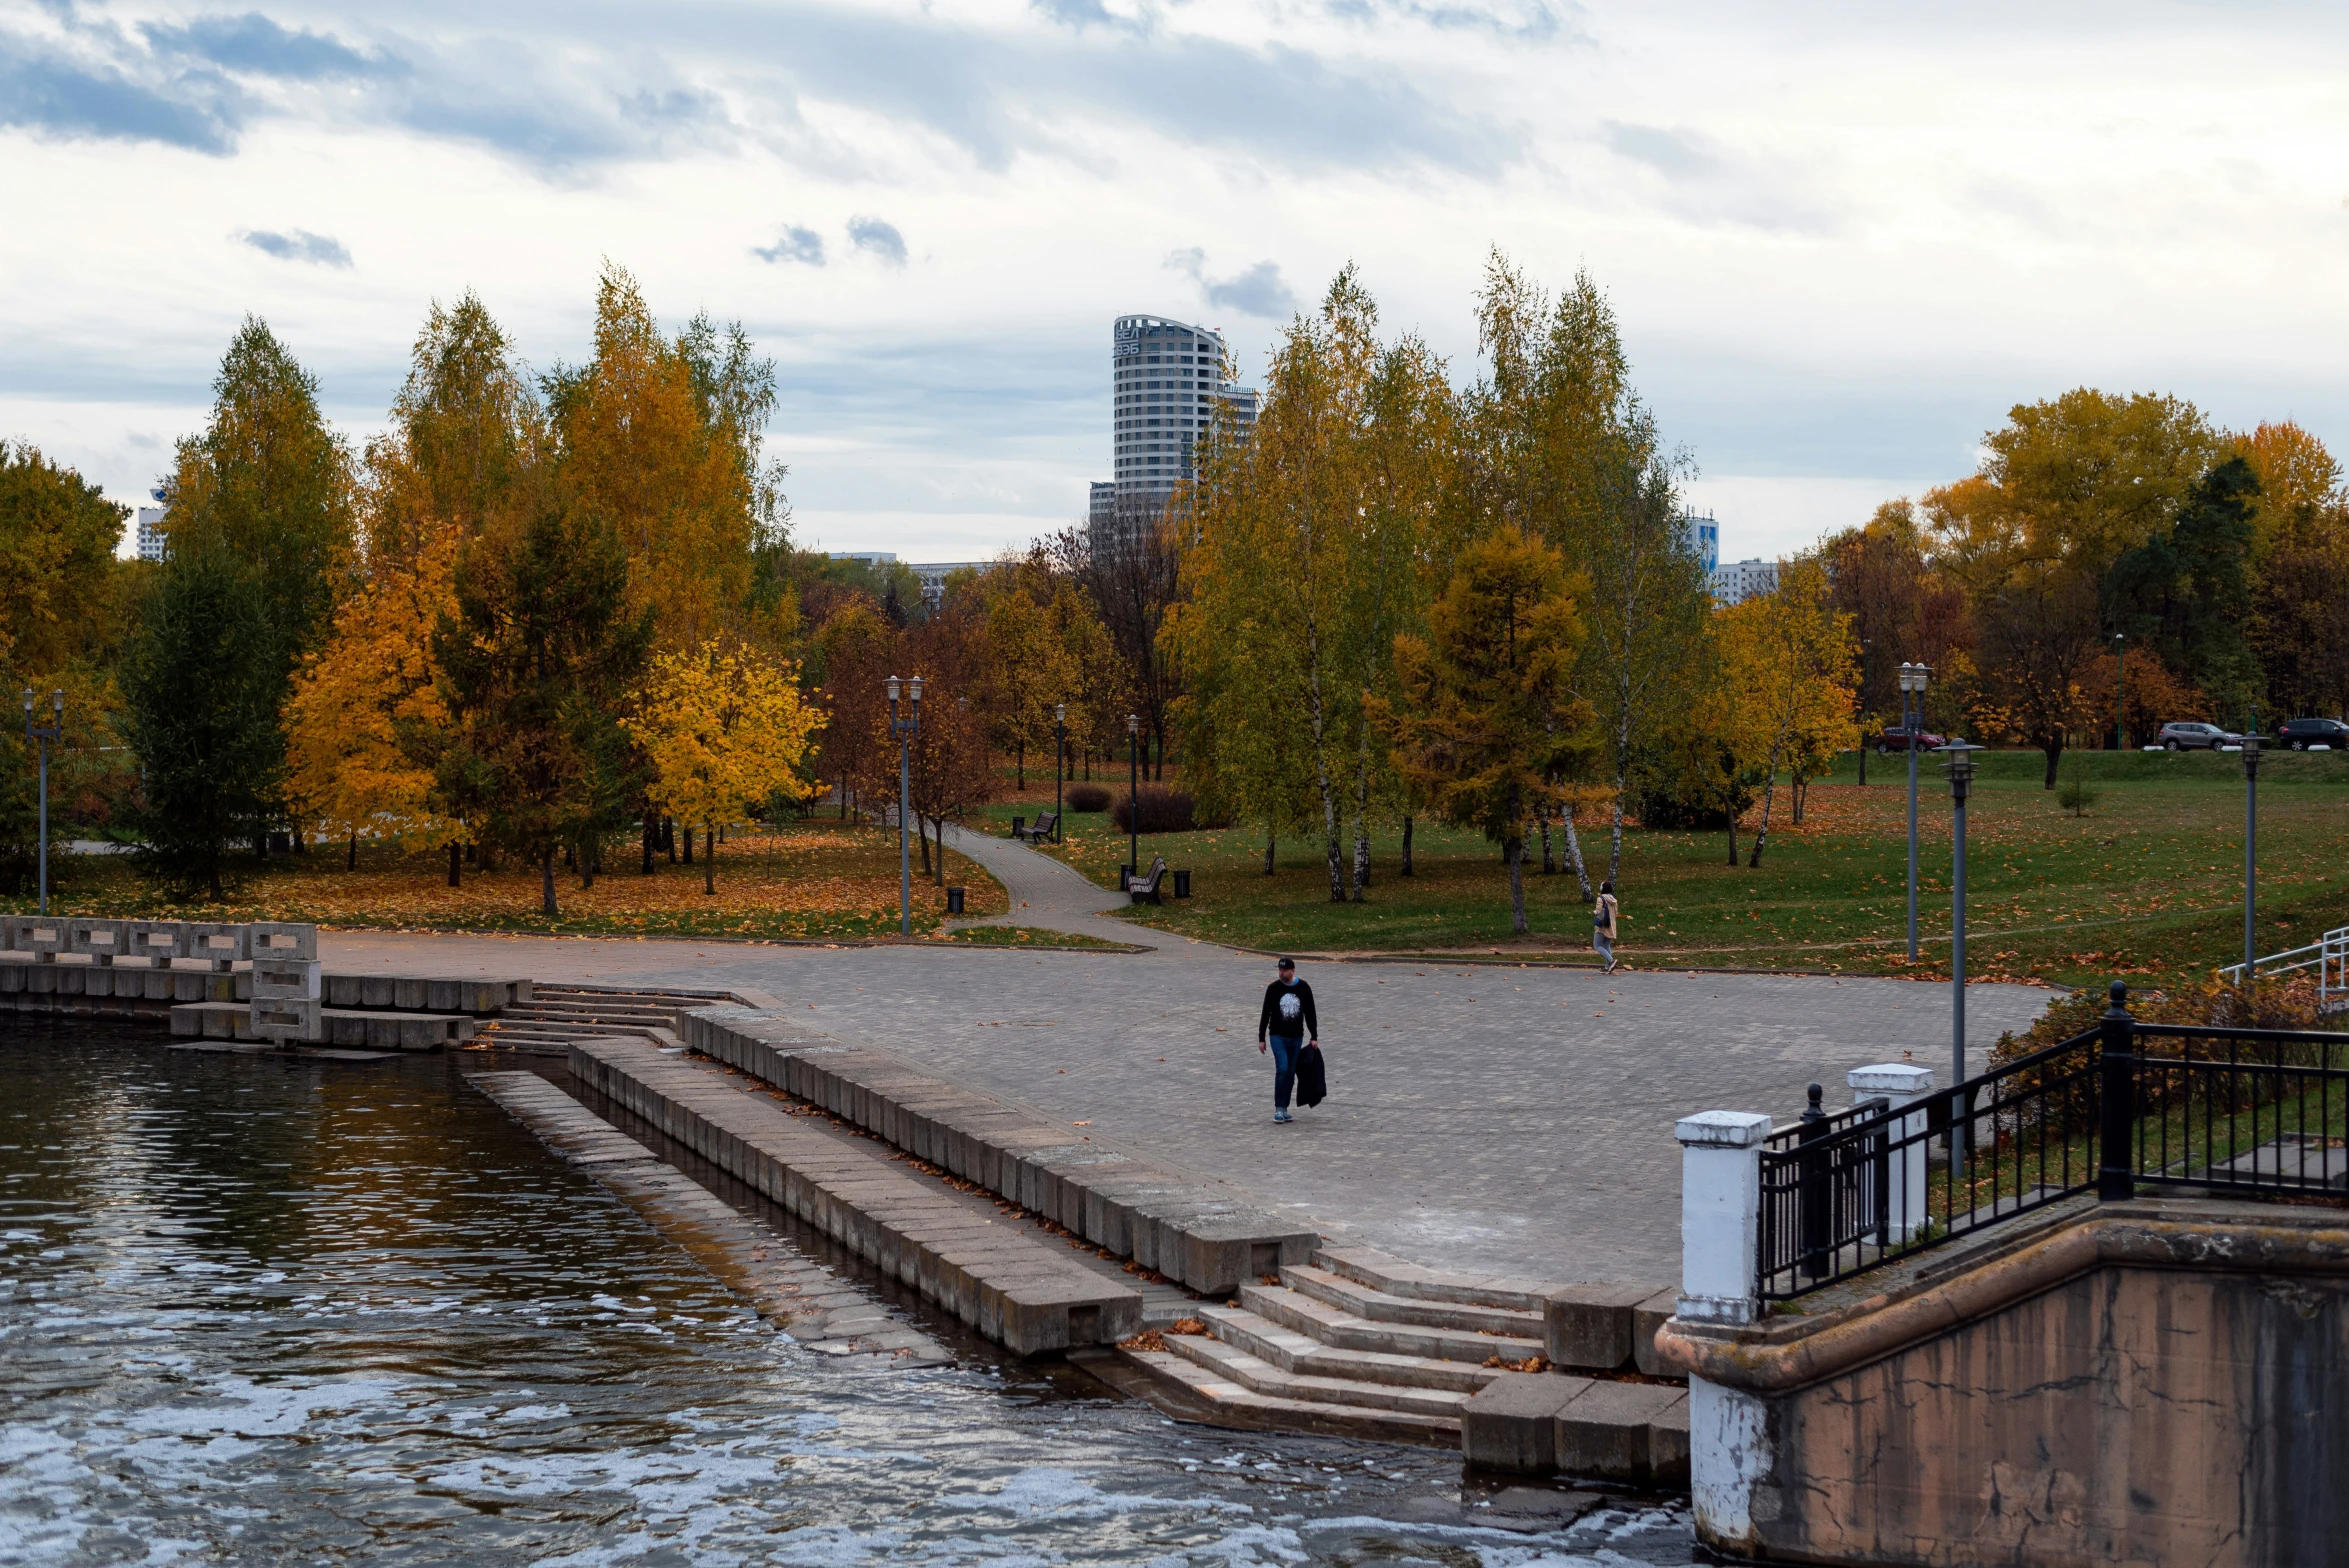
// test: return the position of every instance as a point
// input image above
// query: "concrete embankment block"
(1205, 1237)
(1511, 1424)
(1004, 1284)
(1624, 1432)
(1606, 1327)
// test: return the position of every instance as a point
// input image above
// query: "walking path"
(1051, 895)
(1481, 1118)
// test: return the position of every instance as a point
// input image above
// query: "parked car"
(2193, 736)
(1894, 737)
(2300, 734)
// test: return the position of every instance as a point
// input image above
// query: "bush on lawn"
(1088, 797)
(1164, 810)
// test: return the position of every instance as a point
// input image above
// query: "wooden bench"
(1144, 890)
(1039, 831)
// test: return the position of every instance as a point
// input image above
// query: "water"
(254, 1311)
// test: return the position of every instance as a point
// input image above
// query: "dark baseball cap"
(1288, 963)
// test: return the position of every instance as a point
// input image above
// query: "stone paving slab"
(1003, 1284)
(1204, 1239)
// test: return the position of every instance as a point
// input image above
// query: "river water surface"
(254, 1311)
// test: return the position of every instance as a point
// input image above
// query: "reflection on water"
(254, 1311)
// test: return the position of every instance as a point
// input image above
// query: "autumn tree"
(1903, 610)
(724, 728)
(2186, 591)
(1487, 716)
(1791, 661)
(951, 769)
(2299, 625)
(1561, 446)
(1029, 665)
(857, 647)
(537, 658)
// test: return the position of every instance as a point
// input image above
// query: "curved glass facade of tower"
(1168, 378)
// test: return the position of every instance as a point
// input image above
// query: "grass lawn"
(815, 879)
(2148, 883)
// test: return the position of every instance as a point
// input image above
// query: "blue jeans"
(1605, 944)
(1285, 1051)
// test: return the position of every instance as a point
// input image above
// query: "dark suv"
(2187, 737)
(2300, 734)
(1894, 738)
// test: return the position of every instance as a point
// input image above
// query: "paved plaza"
(1480, 1118)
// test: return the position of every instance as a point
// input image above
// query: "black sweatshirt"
(1274, 1019)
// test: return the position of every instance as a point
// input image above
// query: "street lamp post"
(1957, 762)
(44, 734)
(1059, 761)
(1133, 796)
(2120, 691)
(1913, 678)
(904, 729)
(2251, 744)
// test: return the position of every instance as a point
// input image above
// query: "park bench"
(1144, 890)
(1038, 831)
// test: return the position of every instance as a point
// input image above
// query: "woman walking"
(1602, 925)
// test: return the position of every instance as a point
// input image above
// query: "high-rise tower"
(1168, 380)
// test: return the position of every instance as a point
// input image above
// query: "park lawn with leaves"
(810, 880)
(2147, 884)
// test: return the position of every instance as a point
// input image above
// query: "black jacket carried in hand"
(1312, 1077)
(1290, 1023)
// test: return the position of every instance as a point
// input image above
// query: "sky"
(1842, 239)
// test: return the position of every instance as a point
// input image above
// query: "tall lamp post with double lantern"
(43, 734)
(1913, 679)
(904, 729)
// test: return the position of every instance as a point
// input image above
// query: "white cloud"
(1842, 240)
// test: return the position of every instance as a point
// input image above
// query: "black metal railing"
(2250, 1112)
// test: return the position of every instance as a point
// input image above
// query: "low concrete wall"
(2159, 1381)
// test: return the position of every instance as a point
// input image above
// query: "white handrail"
(2328, 955)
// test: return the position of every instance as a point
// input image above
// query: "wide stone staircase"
(556, 1015)
(1354, 1342)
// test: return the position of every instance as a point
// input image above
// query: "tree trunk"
(652, 834)
(1769, 797)
(570, 858)
(546, 886)
(1800, 788)
(1541, 814)
(456, 864)
(587, 861)
(709, 863)
(487, 860)
(1361, 808)
(1268, 845)
(351, 860)
(1514, 849)
(938, 831)
(669, 838)
(1622, 784)
(1021, 749)
(1733, 838)
(2053, 746)
(922, 837)
(1574, 854)
(1406, 843)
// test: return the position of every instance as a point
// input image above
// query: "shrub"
(2077, 794)
(1087, 797)
(1164, 810)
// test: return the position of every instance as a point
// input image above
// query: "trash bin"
(954, 900)
(1182, 884)
(1125, 875)
(1018, 826)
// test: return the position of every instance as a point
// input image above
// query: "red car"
(1894, 738)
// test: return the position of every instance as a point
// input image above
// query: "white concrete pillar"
(1904, 1084)
(1720, 1214)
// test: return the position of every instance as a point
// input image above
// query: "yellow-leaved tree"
(1791, 662)
(360, 706)
(725, 729)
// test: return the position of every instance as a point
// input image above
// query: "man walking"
(1283, 1026)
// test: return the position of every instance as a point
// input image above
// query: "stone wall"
(2146, 1382)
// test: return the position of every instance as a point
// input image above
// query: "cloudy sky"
(1842, 238)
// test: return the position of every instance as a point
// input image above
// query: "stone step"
(1220, 1400)
(1393, 1276)
(545, 1007)
(1364, 1302)
(1263, 1377)
(1302, 1354)
(1349, 1331)
(570, 1027)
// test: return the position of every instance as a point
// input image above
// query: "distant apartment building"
(1169, 381)
(1742, 580)
(1701, 538)
(151, 537)
(933, 574)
